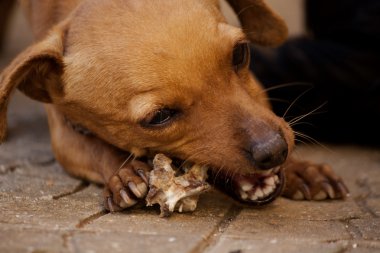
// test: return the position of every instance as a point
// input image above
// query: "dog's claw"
(125, 196)
(343, 190)
(141, 173)
(128, 200)
(132, 186)
(110, 205)
(305, 191)
(328, 189)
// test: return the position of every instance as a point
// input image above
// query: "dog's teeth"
(243, 195)
(268, 190)
(270, 181)
(254, 197)
(276, 179)
(246, 187)
(259, 193)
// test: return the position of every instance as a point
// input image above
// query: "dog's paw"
(305, 180)
(126, 186)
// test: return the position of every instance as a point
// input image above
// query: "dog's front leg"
(310, 181)
(88, 157)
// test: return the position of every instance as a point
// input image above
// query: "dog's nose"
(269, 152)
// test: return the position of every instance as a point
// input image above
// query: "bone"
(175, 193)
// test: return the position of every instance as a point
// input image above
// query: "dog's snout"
(269, 152)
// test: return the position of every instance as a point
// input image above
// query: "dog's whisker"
(312, 140)
(217, 174)
(244, 9)
(126, 160)
(229, 177)
(195, 153)
(306, 137)
(313, 113)
(287, 85)
(301, 141)
(296, 119)
(302, 123)
(278, 100)
(294, 101)
(221, 168)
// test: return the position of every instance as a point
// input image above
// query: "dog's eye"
(161, 117)
(240, 56)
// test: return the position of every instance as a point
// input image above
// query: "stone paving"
(42, 209)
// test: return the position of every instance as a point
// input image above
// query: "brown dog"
(140, 77)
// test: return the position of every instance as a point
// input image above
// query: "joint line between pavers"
(80, 187)
(82, 223)
(212, 238)
(362, 203)
(353, 232)
(361, 200)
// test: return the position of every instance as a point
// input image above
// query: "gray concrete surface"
(42, 209)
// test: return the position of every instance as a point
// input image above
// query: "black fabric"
(339, 65)
(352, 22)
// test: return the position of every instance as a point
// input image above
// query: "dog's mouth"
(261, 187)
(258, 188)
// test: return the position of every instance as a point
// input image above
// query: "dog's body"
(169, 76)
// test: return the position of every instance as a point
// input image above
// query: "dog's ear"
(261, 24)
(36, 72)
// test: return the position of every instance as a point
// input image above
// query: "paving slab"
(284, 208)
(14, 239)
(261, 228)
(369, 228)
(240, 245)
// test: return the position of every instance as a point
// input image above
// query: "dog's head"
(165, 76)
